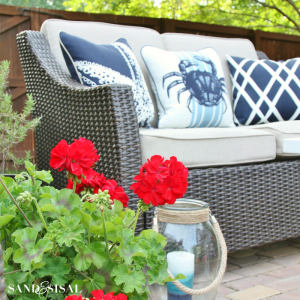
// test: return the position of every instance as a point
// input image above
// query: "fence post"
(168, 25)
(257, 39)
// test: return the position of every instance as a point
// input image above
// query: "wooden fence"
(16, 19)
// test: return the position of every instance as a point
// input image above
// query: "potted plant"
(80, 241)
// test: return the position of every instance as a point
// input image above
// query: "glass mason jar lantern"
(192, 249)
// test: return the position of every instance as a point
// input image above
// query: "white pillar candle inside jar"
(181, 262)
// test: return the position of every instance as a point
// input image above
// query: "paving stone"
(286, 284)
(230, 267)
(275, 245)
(229, 276)
(243, 253)
(285, 272)
(255, 293)
(279, 252)
(247, 261)
(289, 260)
(245, 283)
(294, 295)
(223, 290)
(260, 268)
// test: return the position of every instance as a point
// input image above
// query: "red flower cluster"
(99, 295)
(78, 159)
(161, 181)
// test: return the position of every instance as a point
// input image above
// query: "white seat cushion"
(202, 147)
(223, 46)
(281, 130)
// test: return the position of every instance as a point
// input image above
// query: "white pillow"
(189, 88)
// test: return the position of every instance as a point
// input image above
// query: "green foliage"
(67, 246)
(269, 15)
(13, 126)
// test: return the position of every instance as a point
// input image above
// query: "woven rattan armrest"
(104, 114)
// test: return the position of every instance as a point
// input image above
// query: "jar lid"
(184, 204)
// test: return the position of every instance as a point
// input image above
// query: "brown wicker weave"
(104, 114)
(254, 204)
(2, 282)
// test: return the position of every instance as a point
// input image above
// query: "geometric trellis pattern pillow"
(92, 64)
(264, 91)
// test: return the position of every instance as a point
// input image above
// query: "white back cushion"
(193, 42)
(103, 33)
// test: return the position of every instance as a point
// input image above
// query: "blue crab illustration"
(204, 86)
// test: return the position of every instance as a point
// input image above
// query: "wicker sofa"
(254, 195)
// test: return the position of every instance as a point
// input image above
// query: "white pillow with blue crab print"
(189, 88)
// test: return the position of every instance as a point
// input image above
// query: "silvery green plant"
(13, 126)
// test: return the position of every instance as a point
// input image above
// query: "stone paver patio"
(269, 272)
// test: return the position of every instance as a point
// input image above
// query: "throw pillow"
(92, 64)
(265, 91)
(189, 88)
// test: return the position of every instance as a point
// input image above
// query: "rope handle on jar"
(217, 280)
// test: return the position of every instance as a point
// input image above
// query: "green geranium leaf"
(66, 199)
(29, 252)
(177, 277)
(78, 285)
(86, 220)
(5, 219)
(55, 267)
(66, 231)
(118, 207)
(89, 206)
(9, 182)
(46, 195)
(125, 236)
(19, 278)
(133, 280)
(98, 283)
(30, 167)
(49, 207)
(7, 253)
(48, 190)
(158, 274)
(85, 256)
(28, 297)
(130, 251)
(44, 176)
(152, 235)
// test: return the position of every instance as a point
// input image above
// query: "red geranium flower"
(161, 181)
(74, 297)
(99, 295)
(59, 156)
(77, 158)
(121, 297)
(116, 192)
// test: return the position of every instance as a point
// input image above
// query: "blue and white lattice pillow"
(189, 88)
(265, 91)
(92, 64)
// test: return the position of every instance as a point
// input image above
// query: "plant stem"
(15, 202)
(74, 185)
(80, 272)
(89, 238)
(48, 290)
(105, 233)
(40, 213)
(12, 272)
(136, 218)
